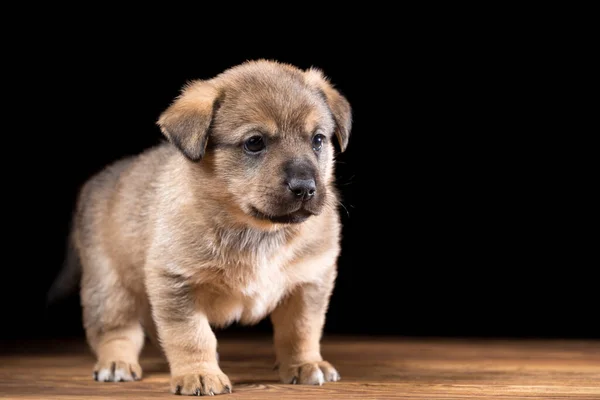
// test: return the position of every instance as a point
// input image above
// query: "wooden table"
(371, 368)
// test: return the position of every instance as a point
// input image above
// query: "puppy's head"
(268, 131)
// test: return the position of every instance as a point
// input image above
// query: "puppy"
(233, 218)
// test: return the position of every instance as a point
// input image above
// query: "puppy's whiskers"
(344, 207)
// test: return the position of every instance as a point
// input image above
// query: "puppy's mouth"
(294, 217)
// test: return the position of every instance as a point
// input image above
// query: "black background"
(455, 221)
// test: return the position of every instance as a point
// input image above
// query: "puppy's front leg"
(186, 337)
(298, 323)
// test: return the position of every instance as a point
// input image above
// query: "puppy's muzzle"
(299, 196)
(300, 180)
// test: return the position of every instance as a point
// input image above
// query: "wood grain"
(371, 368)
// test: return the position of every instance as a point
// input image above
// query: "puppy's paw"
(201, 383)
(117, 371)
(315, 373)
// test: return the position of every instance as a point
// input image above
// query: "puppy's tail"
(68, 277)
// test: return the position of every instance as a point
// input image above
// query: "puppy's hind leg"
(112, 324)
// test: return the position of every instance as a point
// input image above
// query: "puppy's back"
(112, 218)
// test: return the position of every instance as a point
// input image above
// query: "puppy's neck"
(238, 242)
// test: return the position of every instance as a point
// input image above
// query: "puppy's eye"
(255, 144)
(317, 142)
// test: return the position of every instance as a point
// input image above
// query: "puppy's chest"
(248, 276)
(250, 261)
(246, 293)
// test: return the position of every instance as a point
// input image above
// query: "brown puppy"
(233, 219)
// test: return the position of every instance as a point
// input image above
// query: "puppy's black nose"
(303, 188)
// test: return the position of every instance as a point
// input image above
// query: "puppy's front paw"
(315, 373)
(117, 371)
(201, 383)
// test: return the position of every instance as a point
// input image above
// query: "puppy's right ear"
(185, 123)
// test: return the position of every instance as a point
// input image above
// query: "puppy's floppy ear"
(339, 106)
(185, 123)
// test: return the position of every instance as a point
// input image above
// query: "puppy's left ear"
(339, 106)
(185, 123)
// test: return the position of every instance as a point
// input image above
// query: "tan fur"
(171, 242)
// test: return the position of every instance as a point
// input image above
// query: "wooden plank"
(371, 368)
